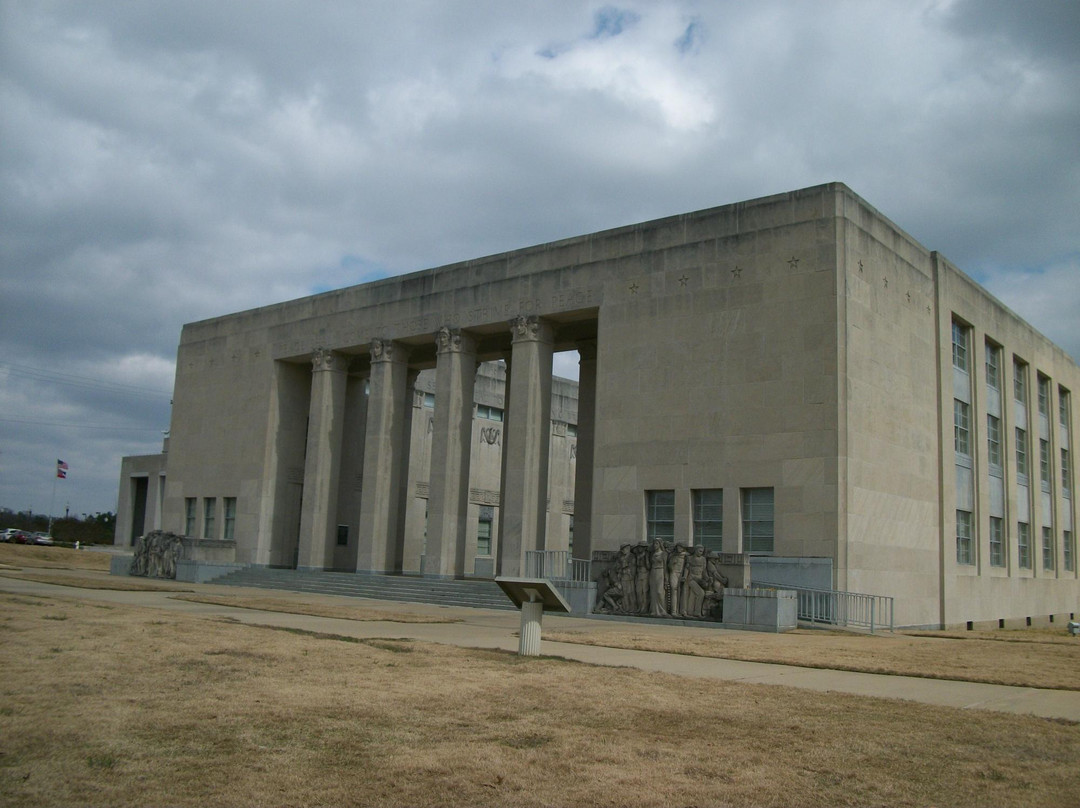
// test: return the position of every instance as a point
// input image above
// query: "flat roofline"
(651, 224)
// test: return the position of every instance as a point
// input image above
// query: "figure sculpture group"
(662, 579)
(156, 554)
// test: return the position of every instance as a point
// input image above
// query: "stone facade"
(774, 378)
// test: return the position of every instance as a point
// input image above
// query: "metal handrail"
(556, 565)
(838, 608)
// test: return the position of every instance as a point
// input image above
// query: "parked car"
(13, 534)
(40, 538)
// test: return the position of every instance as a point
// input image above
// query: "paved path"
(483, 628)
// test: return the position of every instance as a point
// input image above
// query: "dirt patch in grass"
(301, 606)
(134, 706)
(26, 555)
(105, 581)
(1044, 659)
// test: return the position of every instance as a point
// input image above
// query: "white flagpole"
(52, 502)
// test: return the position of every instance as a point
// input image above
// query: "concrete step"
(404, 588)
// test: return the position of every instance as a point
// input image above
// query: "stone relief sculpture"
(156, 554)
(661, 579)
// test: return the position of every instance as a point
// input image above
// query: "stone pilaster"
(385, 459)
(451, 447)
(322, 465)
(528, 441)
(586, 432)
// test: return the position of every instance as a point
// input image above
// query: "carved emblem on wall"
(660, 579)
(483, 496)
(573, 451)
(491, 435)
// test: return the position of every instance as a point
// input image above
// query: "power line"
(81, 426)
(84, 382)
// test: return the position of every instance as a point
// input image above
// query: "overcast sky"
(164, 162)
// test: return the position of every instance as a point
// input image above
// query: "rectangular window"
(1044, 464)
(189, 516)
(1048, 548)
(709, 518)
(961, 427)
(491, 413)
(660, 515)
(963, 538)
(1023, 545)
(209, 518)
(1063, 408)
(993, 366)
(1044, 395)
(993, 442)
(429, 400)
(997, 542)
(1070, 551)
(230, 518)
(758, 520)
(1066, 475)
(483, 536)
(959, 346)
(1020, 381)
(342, 535)
(1021, 453)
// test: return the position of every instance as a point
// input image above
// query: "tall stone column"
(385, 459)
(528, 442)
(501, 530)
(322, 465)
(586, 441)
(451, 447)
(409, 548)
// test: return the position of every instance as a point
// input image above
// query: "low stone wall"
(773, 610)
(200, 572)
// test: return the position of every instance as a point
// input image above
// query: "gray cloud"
(167, 162)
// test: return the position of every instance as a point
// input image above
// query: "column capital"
(324, 359)
(386, 350)
(454, 340)
(530, 328)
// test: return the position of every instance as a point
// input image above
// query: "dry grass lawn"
(61, 577)
(29, 555)
(104, 705)
(1034, 658)
(298, 604)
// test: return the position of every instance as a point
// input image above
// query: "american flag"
(61, 469)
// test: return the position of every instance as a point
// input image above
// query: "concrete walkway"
(482, 628)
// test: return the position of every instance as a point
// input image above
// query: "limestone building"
(792, 377)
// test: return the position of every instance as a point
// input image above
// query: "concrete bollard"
(531, 616)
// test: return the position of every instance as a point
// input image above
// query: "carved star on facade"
(634, 288)
(793, 262)
(737, 272)
(683, 280)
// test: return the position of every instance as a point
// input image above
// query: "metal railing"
(840, 608)
(556, 565)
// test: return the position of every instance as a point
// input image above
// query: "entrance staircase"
(402, 588)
